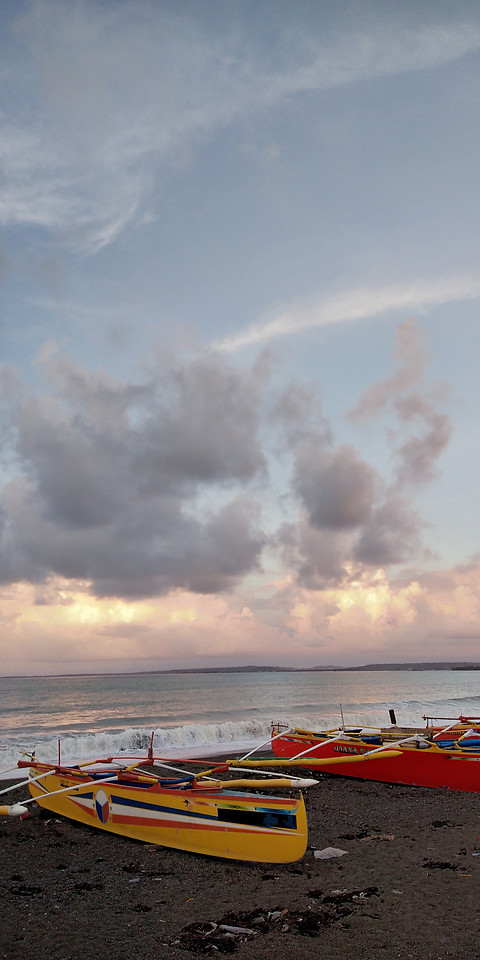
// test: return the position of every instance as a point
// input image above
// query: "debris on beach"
(226, 934)
(207, 936)
(377, 836)
(348, 896)
(439, 865)
(328, 853)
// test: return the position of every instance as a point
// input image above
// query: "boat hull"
(414, 766)
(220, 823)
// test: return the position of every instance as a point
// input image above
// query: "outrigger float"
(445, 756)
(198, 812)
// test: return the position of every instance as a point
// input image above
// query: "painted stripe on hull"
(172, 823)
(155, 816)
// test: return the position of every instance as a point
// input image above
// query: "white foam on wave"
(206, 740)
(188, 741)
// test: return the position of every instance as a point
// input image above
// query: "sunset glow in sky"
(239, 333)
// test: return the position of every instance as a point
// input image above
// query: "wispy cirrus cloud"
(360, 303)
(112, 94)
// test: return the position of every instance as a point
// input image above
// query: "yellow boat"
(194, 812)
(198, 812)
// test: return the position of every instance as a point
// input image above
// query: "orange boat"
(433, 756)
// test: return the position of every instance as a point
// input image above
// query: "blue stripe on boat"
(143, 805)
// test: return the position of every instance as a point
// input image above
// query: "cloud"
(337, 488)
(112, 95)
(391, 535)
(297, 411)
(370, 619)
(137, 489)
(389, 49)
(361, 303)
(350, 516)
(316, 559)
(410, 359)
(414, 408)
(418, 456)
(140, 516)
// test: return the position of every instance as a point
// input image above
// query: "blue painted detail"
(180, 782)
(143, 805)
(102, 806)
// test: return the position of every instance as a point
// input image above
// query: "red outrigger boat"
(432, 756)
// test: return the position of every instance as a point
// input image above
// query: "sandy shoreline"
(407, 887)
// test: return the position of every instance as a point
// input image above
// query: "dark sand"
(408, 887)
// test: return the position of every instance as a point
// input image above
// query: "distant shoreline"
(450, 665)
(333, 669)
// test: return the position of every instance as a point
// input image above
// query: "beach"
(405, 887)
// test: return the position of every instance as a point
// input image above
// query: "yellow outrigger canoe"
(186, 814)
(196, 812)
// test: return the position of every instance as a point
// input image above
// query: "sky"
(239, 333)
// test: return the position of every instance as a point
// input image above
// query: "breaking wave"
(186, 741)
(197, 716)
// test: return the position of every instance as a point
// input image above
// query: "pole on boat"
(340, 736)
(270, 740)
(24, 783)
(444, 730)
(3, 773)
(78, 786)
(274, 782)
(206, 774)
(324, 761)
(297, 782)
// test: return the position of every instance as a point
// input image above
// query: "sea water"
(199, 714)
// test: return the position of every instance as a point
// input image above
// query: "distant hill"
(256, 668)
(252, 668)
(450, 665)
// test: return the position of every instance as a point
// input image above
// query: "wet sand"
(407, 887)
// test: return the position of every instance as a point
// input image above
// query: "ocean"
(199, 714)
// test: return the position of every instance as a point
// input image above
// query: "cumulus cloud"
(414, 407)
(410, 359)
(371, 618)
(143, 488)
(134, 512)
(374, 618)
(112, 477)
(350, 516)
(392, 535)
(336, 487)
(315, 558)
